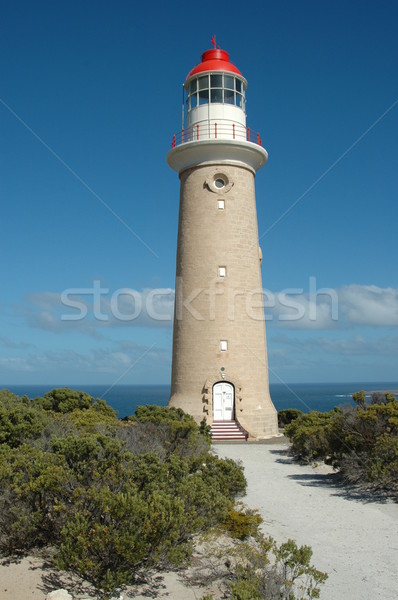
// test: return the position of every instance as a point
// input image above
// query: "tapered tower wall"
(211, 308)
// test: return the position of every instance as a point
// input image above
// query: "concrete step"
(227, 430)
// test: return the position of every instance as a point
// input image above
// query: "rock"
(59, 595)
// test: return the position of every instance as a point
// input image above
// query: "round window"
(219, 183)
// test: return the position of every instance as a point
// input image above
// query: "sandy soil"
(353, 539)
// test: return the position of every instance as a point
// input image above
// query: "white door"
(223, 401)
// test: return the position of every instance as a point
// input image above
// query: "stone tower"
(219, 368)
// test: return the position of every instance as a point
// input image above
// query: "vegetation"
(116, 497)
(112, 496)
(250, 566)
(286, 416)
(265, 570)
(360, 441)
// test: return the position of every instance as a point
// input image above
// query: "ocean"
(304, 396)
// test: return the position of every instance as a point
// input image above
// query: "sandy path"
(355, 541)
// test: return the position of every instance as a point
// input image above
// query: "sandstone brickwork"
(211, 308)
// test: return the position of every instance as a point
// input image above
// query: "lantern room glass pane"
(204, 97)
(203, 82)
(239, 100)
(216, 81)
(193, 86)
(238, 85)
(229, 97)
(194, 101)
(229, 82)
(216, 96)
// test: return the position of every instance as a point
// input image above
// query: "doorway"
(223, 401)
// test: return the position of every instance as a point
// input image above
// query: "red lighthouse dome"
(214, 60)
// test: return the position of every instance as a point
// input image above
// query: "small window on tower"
(223, 345)
(222, 271)
(221, 204)
(218, 183)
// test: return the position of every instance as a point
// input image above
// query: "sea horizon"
(125, 398)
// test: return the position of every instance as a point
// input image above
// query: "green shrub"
(120, 533)
(316, 436)
(159, 414)
(65, 400)
(225, 474)
(180, 432)
(266, 570)
(205, 429)
(286, 416)
(90, 456)
(19, 420)
(112, 496)
(257, 569)
(246, 587)
(361, 441)
(297, 572)
(32, 487)
(242, 523)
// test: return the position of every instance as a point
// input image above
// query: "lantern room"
(215, 98)
(214, 117)
(215, 88)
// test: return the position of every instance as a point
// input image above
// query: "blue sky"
(90, 98)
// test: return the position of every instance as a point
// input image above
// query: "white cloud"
(93, 311)
(345, 307)
(304, 311)
(369, 305)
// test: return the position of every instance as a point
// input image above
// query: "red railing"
(214, 131)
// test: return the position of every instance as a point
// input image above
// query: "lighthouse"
(219, 364)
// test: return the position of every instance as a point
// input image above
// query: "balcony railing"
(214, 131)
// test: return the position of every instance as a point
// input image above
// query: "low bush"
(242, 523)
(286, 416)
(361, 441)
(65, 400)
(274, 572)
(258, 568)
(316, 436)
(112, 496)
(116, 497)
(19, 420)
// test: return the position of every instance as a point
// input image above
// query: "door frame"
(233, 398)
